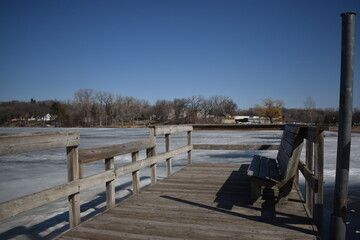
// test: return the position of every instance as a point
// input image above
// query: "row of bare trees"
(103, 108)
(98, 108)
(195, 109)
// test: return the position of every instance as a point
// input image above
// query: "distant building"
(250, 120)
(228, 121)
(47, 117)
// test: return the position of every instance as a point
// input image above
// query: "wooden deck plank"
(201, 201)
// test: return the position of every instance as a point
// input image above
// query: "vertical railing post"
(135, 174)
(110, 185)
(297, 177)
(189, 142)
(168, 161)
(319, 175)
(81, 170)
(310, 165)
(73, 174)
(152, 152)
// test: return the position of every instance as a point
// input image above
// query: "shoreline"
(355, 129)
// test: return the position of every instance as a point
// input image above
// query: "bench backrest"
(289, 151)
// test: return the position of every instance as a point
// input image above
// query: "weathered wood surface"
(110, 185)
(319, 175)
(93, 154)
(201, 201)
(280, 173)
(22, 204)
(311, 181)
(169, 160)
(135, 174)
(25, 203)
(73, 174)
(13, 207)
(169, 129)
(37, 141)
(240, 127)
(189, 141)
(312, 133)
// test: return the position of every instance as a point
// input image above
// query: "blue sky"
(247, 50)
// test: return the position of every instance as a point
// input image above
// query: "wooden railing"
(28, 142)
(19, 143)
(312, 169)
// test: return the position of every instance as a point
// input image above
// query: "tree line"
(97, 108)
(91, 108)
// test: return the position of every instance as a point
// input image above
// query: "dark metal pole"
(338, 218)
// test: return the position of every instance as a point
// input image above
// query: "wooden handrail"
(87, 155)
(37, 141)
(169, 129)
(239, 127)
(22, 204)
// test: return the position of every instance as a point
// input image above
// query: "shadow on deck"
(201, 201)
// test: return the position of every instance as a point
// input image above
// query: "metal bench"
(277, 173)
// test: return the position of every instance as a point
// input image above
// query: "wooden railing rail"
(87, 155)
(238, 127)
(313, 171)
(76, 184)
(36, 141)
(167, 131)
(108, 153)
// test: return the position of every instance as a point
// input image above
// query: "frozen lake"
(23, 174)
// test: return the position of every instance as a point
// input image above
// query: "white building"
(45, 118)
(251, 120)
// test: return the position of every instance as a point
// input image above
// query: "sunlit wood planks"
(201, 201)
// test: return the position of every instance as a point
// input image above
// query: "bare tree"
(194, 106)
(163, 110)
(106, 101)
(208, 107)
(146, 110)
(119, 109)
(84, 100)
(310, 107)
(224, 105)
(219, 106)
(129, 108)
(179, 105)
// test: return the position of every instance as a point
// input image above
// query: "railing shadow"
(33, 232)
(236, 192)
(245, 154)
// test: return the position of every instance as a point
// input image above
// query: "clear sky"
(248, 50)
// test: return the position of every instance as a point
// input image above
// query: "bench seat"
(264, 168)
(277, 173)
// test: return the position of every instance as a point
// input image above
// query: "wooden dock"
(201, 201)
